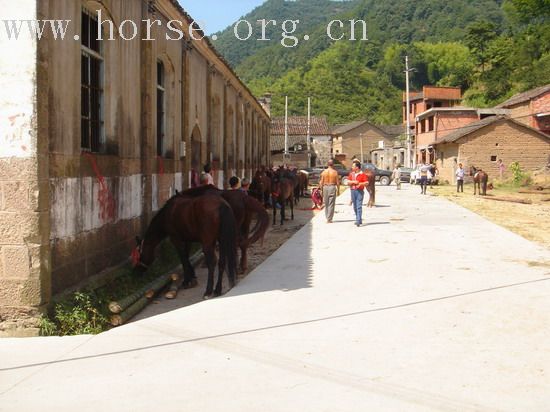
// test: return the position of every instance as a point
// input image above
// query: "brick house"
(96, 135)
(483, 142)
(297, 140)
(434, 124)
(531, 108)
(347, 140)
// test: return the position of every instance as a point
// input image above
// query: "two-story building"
(531, 108)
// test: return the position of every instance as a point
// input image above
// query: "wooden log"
(509, 199)
(155, 285)
(173, 289)
(534, 192)
(546, 200)
(125, 316)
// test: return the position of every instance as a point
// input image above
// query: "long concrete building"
(96, 135)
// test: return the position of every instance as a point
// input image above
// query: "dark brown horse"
(207, 219)
(480, 180)
(260, 187)
(371, 188)
(282, 189)
(245, 209)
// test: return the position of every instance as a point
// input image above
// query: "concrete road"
(427, 307)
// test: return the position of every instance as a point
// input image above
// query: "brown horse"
(245, 209)
(480, 180)
(371, 188)
(282, 189)
(207, 219)
(260, 187)
(303, 178)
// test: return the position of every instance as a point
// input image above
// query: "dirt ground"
(532, 221)
(275, 237)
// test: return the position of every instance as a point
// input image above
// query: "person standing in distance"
(328, 184)
(357, 181)
(460, 179)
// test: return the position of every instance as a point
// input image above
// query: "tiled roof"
(525, 96)
(297, 130)
(297, 125)
(472, 127)
(393, 130)
(344, 128)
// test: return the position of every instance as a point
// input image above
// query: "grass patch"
(86, 311)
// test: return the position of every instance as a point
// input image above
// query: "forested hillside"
(490, 48)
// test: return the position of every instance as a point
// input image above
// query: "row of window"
(91, 90)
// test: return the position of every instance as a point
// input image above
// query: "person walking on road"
(396, 176)
(424, 170)
(328, 184)
(460, 179)
(357, 181)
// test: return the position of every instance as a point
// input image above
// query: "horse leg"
(274, 210)
(210, 257)
(221, 269)
(283, 213)
(245, 229)
(189, 277)
(291, 211)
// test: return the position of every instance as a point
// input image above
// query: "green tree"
(478, 36)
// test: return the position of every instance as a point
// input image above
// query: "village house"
(483, 142)
(297, 130)
(97, 135)
(531, 108)
(372, 143)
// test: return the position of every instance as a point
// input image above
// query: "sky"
(218, 14)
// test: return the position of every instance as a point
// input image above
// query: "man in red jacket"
(357, 181)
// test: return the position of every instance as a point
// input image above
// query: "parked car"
(313, 173)
(406, 174)
(342, 171)
(380, 175)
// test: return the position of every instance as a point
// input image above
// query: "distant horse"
(480, 180)
(371, 188)
(207, 219)
(245, 209)
(282, 189)
(260, 187)
(303, 178)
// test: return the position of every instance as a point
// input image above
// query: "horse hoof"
(216, 294)
(191, 284)
(206, 297)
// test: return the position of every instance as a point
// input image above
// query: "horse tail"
(262, 222)
(228, 240)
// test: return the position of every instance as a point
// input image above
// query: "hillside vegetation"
(490, 48)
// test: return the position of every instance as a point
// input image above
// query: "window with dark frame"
(91, 81)
(493, 158)
(160, 108)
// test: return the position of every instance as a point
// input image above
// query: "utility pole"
(408, 109)
(361, 145)
(285, 157)
(308, 132)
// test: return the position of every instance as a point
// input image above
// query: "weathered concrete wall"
(66, 215)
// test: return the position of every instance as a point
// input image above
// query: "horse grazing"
(245, 209)
(480, 180)
(282, 189)
(371, 188)
(207, 219)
